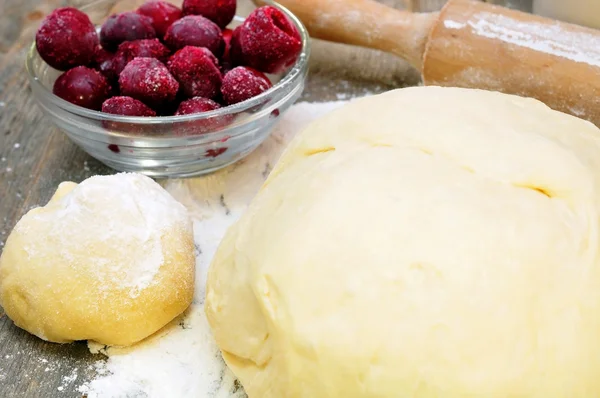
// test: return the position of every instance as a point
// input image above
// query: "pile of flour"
(182, 360)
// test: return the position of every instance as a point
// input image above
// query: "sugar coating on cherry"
(242, 83)
(66, 38)
(267, 41)
(126, 106)
(126, 26)
(220, 12)
(163, 14)
(195, 30)
(148, 80)
(83, 86)
(197, 71)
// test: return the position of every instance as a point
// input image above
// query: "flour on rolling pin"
(183, 360)
(535, 36)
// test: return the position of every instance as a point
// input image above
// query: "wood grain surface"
(35, 157)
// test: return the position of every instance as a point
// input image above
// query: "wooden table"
(35, 157)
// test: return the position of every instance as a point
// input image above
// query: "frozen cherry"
(101, 56)
(204, 125)
(110, 65)
(267, 41)
(66, 38)
(107, 64)
(195, 30)
(220, 12)
(148, 80)
(125, 27)
(163, 14)
(126, 106)
(197, 71)
(196, 105)
(83, 86)
(150, 48)
(242, 83)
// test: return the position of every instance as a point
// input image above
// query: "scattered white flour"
(550, 39)
(182, 360)
(68, 380)
(346, 90)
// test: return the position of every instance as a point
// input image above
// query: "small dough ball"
(428, 242)
(109, 260)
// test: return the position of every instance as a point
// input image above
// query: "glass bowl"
(170, 146)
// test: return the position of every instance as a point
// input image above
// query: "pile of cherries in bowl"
(162, 60)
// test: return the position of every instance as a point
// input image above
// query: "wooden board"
(35, 157)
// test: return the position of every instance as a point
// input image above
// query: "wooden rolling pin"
(472, 44)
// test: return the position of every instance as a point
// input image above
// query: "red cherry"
(267, 41)
(126, 106)
(163, 14)
(82, 86)
(149, 48)
(66, 38)
(197, 31)
(242, 83)
(196, 69)
(220, 12)
(200, 105)
(108, 64)
(196, 105)
(148, 80)
(126, 26)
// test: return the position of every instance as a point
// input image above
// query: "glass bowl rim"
(295, 72)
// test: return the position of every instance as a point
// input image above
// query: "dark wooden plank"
(35, 157)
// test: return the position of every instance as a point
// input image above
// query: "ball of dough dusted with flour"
(109, 260)
(427, 242)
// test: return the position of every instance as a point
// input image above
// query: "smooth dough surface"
(109, 260)
(427, 242)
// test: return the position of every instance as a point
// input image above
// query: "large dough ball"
(427, 242)
(109, 260)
